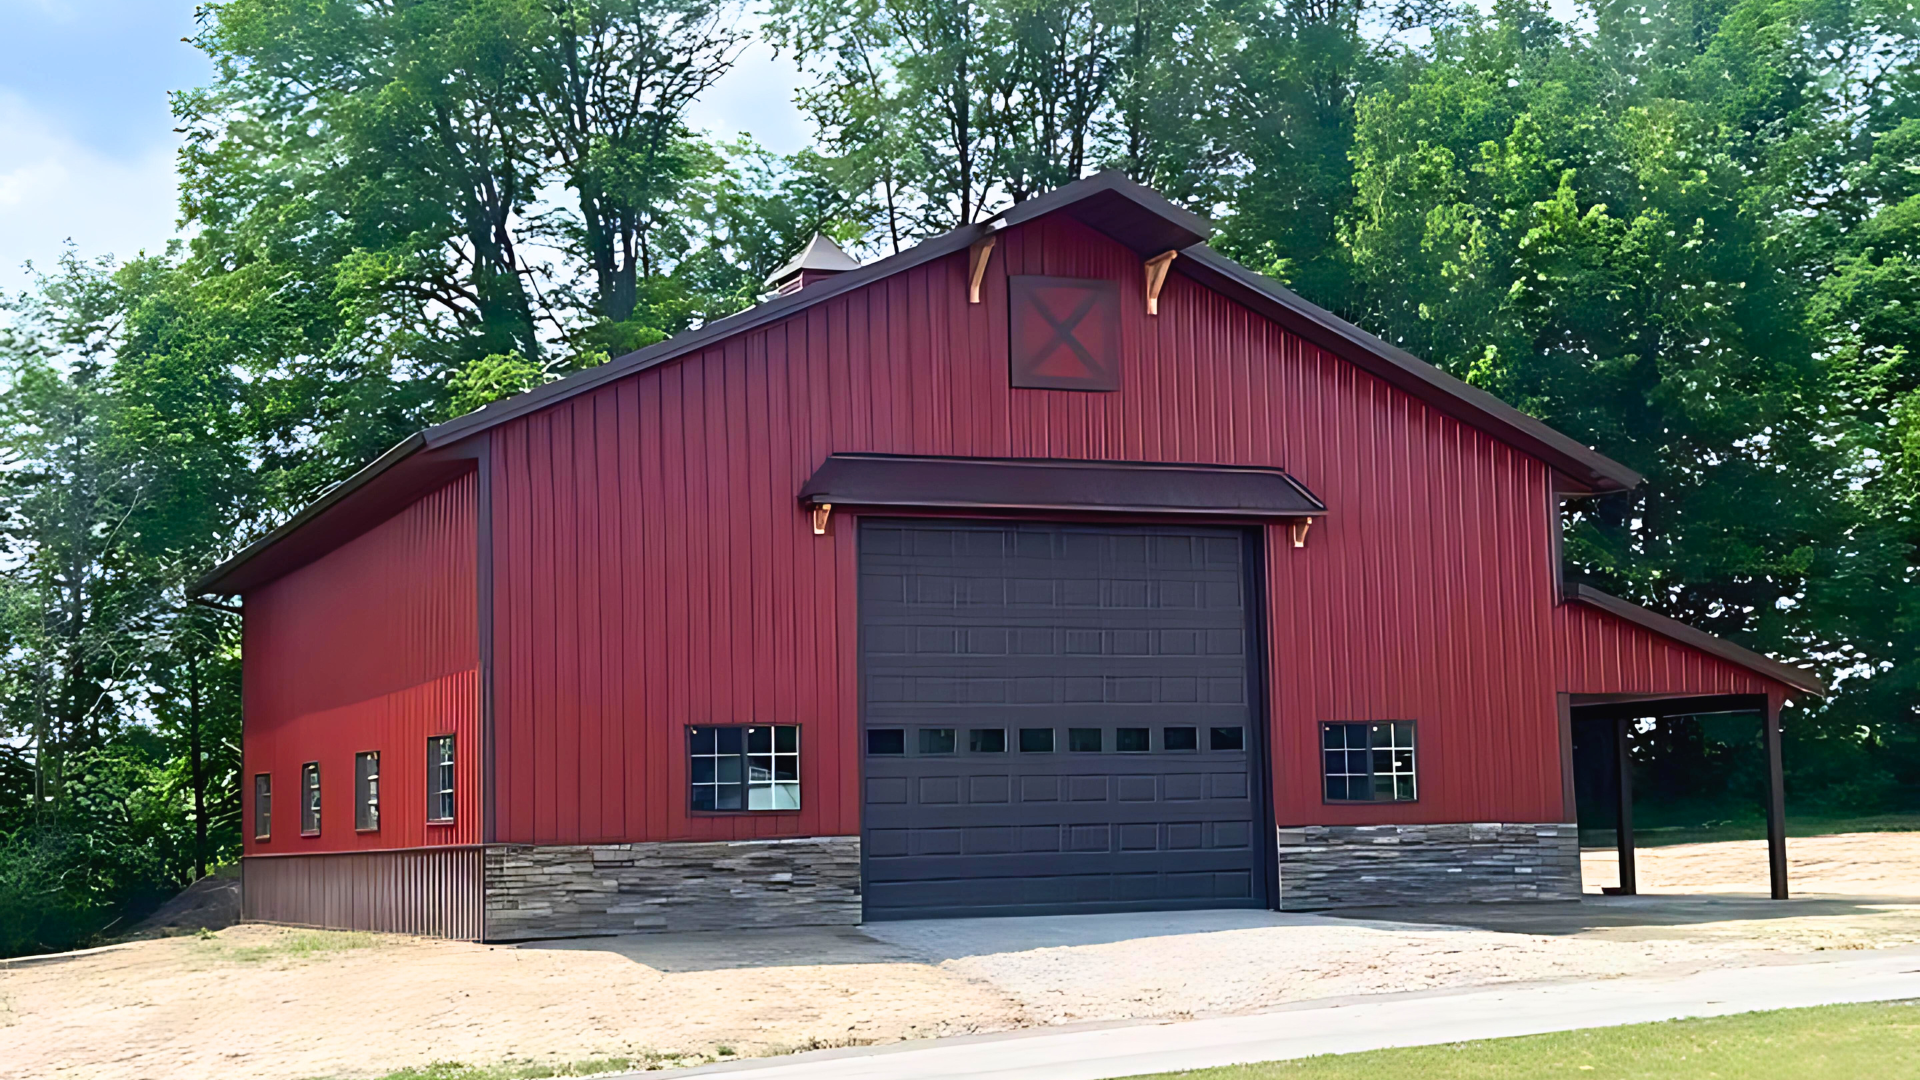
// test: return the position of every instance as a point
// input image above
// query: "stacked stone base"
(1334, 866)
(584, 890)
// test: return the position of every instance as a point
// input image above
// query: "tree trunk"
(199, 768)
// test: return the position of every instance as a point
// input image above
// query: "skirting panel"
(1326, 866)
(430, 891)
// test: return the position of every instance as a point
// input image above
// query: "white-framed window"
(440, 801)
(262, 806)
(1369, 762)
(310, 799)
(733, 767)
(366, 791)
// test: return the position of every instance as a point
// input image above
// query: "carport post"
(1623, 820)
(1776, 802)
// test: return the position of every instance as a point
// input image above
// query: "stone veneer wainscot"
(1327, 866)
(589, 889)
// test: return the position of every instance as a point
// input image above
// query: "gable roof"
(1765, 666)
(1109, 203)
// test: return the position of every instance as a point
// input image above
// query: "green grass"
(304, 945)
(1655, 835)
(1837, 1042)
(450, 1070)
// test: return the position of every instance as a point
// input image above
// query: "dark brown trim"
(1776, 802)
(1623, 809)
(1108, 202)
(1569, 798)
(1584, 707)
(948, 484)
(483, 603)
(1765, 666)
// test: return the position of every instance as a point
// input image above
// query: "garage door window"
(987, 741)
(1369, 762)
(744, 768)
(1036, 740)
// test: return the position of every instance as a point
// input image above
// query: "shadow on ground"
(1626, 917)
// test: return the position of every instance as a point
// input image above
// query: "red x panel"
(1065, 333)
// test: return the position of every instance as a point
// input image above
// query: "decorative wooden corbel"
(822, 513)
(1300, 527)
(1156, 277)
(977, 266)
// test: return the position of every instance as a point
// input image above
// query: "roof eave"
(210, 584)
(1583, 465)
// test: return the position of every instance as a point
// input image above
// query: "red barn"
(1057, 564)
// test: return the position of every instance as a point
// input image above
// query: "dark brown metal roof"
(891, 480)
(1765, 666)
(1108, 202)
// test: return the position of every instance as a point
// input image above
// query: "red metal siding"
(375, 646)
(652, 567)
(1604, 654)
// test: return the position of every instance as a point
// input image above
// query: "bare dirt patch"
(1850, 864)
(279, 1004)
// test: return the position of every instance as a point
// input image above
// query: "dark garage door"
(1056, 720)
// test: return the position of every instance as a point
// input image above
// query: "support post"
(1776, 802)
(1623, 820)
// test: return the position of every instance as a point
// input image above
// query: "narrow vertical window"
(440, 778)
(262, 806)
(366, 791)
(310, 799)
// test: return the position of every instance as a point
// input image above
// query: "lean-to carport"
(1621, 664)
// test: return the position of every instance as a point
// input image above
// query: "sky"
(86, 136)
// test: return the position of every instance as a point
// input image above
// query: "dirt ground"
(280, 1004)
(1850, 864)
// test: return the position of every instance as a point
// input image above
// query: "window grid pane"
(1369, 762)
(440, 801)
(773, 775)
(731, 768)
(366, 793)
(310, 798)
(262, 806)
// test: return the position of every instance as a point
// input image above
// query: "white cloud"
(54, 188)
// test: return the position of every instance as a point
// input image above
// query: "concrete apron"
(1348, 1025)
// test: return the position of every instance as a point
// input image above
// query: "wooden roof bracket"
(822, 514)
(1156, 277)
(977, 257)
(1299, 528)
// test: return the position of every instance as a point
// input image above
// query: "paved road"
(1352, 1024)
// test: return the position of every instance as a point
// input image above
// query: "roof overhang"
(1588, 470)
(1766, 667)
(1092, 487)
(382, 489)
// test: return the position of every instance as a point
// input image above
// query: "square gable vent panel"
(1065, 333)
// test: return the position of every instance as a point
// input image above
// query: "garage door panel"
(1055, 627)
(1048, 860)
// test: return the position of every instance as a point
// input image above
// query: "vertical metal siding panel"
(1420, 594)
(372, 647)
(428, 891)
